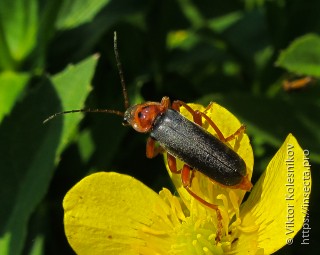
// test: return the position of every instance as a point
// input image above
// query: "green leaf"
(38, 246)
(67, 86)
(302, 56)
(18, 26)
(85, 145)
(11, 86)
(75, 13)
(29, 149)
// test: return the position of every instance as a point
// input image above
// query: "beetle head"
(142, 116)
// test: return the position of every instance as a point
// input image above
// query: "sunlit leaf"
(302, 56)
(18, 26)
(11, 86)
(75, 13)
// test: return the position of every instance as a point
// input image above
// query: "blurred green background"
(58, 55)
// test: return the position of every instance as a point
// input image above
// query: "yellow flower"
(111, 213)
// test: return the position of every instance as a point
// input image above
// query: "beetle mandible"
(176, 135)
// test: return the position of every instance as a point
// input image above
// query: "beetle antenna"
(84, 110)
(119, 65)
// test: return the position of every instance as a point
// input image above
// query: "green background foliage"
(58, 55)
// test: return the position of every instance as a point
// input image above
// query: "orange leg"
(197, 115)
(165, 103)
(187, 175)
(151, 149)
(186, 178)
(172, 163)
(238, 132)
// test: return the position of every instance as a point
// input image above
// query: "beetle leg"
(240, 131)
(186, 179)
(218, 131)
(172, 163)
(196, 117)
(165, 103)
(151, 149)
(187, 175)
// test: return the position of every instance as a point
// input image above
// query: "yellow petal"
(279, 201)
(110, 213)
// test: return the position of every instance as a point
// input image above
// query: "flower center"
(197, 237)
(195, 230)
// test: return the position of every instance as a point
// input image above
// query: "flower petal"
(279, 201)
(110, 213)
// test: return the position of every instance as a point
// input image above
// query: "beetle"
(182, 139)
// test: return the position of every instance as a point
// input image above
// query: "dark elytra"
(198, 148)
